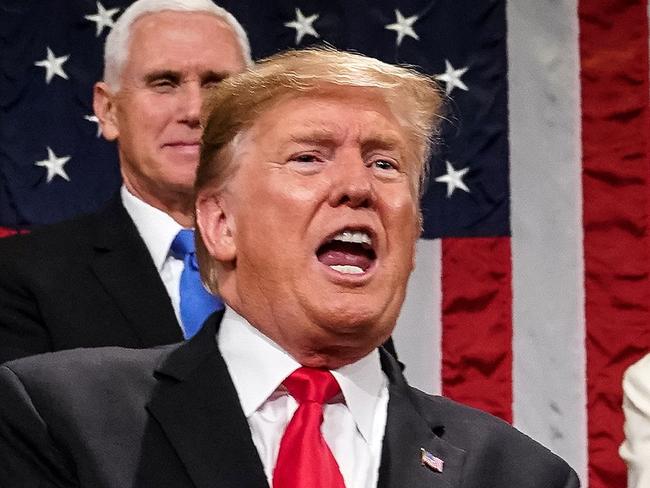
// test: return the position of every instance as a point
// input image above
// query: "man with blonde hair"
(307, 205)
(126, 276)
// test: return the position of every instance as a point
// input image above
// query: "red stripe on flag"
(614, 82)
(477, 323)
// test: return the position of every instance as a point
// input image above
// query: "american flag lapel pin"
(430, 461)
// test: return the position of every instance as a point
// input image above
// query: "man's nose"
(190, 104)
(353, 184)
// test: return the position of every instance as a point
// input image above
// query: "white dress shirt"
(635, 450)
(353, 424)
(157, 230)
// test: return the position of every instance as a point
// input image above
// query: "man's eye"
(212, 83)
(305, 158)
(384, 164)
(163, 85)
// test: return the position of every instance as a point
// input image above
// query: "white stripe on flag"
(545, 176)
(418, 333)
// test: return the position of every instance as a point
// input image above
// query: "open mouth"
(348, 252)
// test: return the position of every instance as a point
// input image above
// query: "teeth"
(357, 237)
(347, 269)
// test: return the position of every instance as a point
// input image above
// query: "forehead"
(183, 40)
(346, 112)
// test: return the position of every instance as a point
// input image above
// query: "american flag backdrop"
(531, 292)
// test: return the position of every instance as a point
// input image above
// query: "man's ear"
(106, 110)
(216, 225)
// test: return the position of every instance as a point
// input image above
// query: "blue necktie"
(196, 302)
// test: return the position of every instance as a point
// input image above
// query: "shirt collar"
(361, 383)
(156, 228)
(258, 366)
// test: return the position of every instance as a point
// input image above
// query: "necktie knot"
(183, 243)
(183, 247)
(312, 385)
(304, 458)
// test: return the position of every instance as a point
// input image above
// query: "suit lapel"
(197, 407)
(125, 269)
(407, 433)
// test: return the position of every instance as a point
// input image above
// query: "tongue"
(333, 257)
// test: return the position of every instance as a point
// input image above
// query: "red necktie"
(305, 459)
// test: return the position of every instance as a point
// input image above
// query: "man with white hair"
(307, 205)
(126, 275)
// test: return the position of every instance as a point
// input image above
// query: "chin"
(183, 186)
(349, 321)
(358, 312)
(357, 331)
(336, 343)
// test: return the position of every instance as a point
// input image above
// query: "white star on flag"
(303, 25)
(451, 77)
(454, 179)
(94, 119)
(53, 65)
(54, 165)
(403, 26)
(103, 18)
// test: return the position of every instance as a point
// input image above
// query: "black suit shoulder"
(39, 280)
(86, 375)
(497, 454)
(81, 283)
(72, 416)
(47, 244)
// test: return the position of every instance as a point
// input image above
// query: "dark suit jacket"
(170, 417)
(84, 283)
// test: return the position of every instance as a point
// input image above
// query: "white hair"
(116, 48)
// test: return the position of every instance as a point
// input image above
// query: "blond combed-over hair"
(235, 104)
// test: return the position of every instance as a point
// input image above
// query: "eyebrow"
(320, 137)
(386, 142)
(177, 76)
(214, 75)
(325, 137)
